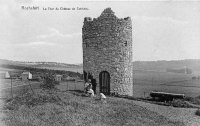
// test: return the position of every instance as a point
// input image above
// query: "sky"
(167, 30)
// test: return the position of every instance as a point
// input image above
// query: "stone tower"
(107, 52)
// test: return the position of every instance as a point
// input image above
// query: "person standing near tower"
(88, 88)
(94, 84)
(87, 85)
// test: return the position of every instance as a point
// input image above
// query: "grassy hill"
(147, 75)
(57, 108)
(161, 66)
(43, 65)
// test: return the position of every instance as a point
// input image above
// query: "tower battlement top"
(107, 13)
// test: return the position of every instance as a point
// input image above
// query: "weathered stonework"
(107, 46)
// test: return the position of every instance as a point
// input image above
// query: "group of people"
(90, 89)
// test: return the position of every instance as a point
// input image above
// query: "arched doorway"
(104, 82)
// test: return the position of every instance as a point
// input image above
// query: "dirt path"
(186, 115)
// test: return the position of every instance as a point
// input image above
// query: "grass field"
(6, 83)
(144, 90)
(66, 107)
(71, 85)
(18, 87)
(57, 108)
(143, 83)
(146, 81)
(159, 77)
(79, 70)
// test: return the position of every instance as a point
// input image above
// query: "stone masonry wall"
(107, 46)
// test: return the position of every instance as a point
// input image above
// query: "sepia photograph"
(99, 63)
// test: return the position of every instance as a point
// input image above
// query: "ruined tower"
(107, 52)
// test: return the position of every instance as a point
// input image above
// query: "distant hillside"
(193, 64)
(44, 65)
(160, 66)
(39, 64)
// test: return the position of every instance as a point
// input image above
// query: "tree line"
(41, 71)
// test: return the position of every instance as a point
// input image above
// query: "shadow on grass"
(83, 94)
(78, 93)
(197, 112)
(180, 103)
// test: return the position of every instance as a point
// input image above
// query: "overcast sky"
(161, 30)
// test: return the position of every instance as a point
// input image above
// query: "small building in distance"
(58, 77)
(7, 75)
(26, 76)
(68, 78)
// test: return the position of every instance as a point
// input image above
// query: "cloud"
(56, 33)
(162, 19)
(36, 43)
(39, 43)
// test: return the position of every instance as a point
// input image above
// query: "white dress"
(91, 92)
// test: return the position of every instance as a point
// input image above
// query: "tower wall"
(107, 46)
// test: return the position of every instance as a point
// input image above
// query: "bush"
(57, 82)
(49, 82)
(179, 103)
(197, 112)
(30, 100)
(198, 97)
(195, 100)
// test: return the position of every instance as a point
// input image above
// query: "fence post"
(74, 85)
(11, 87)
(67, 85)
(83, 82)
(30, 86)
